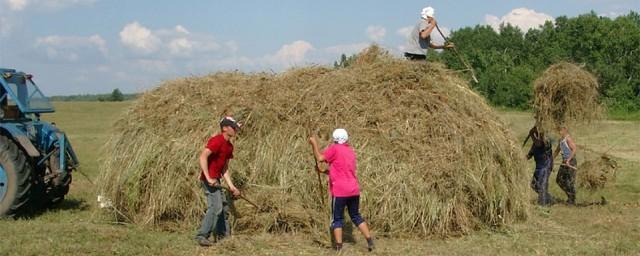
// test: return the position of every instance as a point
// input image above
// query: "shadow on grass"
(70, 204)
(65, 205)
(558, 201)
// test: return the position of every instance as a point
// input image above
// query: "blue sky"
(95, 46)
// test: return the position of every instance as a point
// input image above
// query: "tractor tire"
(60, 185)
(15, 178)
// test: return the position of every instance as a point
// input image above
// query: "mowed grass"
(588, 229)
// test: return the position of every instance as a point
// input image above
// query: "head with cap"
(229, 126)
(427, 12)
(340, 136)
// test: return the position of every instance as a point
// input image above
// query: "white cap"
(340, 136)
(427, 12)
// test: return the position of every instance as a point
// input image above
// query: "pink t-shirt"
(342, 170)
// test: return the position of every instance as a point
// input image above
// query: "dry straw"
(565, 95)
(595, 174)
(433, 157)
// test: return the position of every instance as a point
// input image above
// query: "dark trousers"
(352, 204)
(413, 56)
(540, 182)
(566, 179)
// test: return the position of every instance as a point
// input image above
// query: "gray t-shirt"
(417, 45)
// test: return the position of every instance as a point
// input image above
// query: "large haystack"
(565, 95)
(432, 156)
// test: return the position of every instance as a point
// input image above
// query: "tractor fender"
(22, 139)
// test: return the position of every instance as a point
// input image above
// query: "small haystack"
(595, 174)
(433, 157)
(565, 94)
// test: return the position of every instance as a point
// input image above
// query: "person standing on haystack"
(214, 161)
(420, 38)
(567, 173)
(543, 155)
(343, 184)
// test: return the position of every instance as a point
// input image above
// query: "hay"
(565, 95)
(596, 174)
(433, 159)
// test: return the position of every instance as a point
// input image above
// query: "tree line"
(115, 95)
(509, 60)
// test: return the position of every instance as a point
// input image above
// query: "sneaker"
(203, 241)
(370, 244)
(338, 247)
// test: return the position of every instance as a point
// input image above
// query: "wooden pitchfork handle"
(319, 181)
(455, 50)
(570, 166)
(240, 196)
(249, 201)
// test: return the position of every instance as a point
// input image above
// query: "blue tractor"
(36, 158)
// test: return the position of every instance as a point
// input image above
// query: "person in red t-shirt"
(214, 161)
(343, 184)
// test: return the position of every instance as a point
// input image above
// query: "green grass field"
(76, 228)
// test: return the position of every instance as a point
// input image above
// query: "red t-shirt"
(221, 151)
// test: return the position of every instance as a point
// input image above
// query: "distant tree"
(116, 95)
(344, 61)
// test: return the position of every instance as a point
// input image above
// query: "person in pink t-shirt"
(343, 184)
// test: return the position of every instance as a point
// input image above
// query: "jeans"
(214, 221)
(352, 204)
(540, 182)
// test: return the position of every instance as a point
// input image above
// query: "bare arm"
(227, 178)
(573, 148)
(425, 33)
(316, 151)
(204, 165)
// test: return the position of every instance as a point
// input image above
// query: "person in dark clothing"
(542, 153)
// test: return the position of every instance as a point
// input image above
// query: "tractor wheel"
(60, 184)
(15, 178)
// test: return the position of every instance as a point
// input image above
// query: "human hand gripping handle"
(235, 191)
(212, 182)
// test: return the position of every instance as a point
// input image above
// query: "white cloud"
(180, 46)
(138, 37)
(168, 43)
(17, 5)
(181, 29)
(72, 48)
(290, 54)
(376, 33)
(522, 18)
(611, 14)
